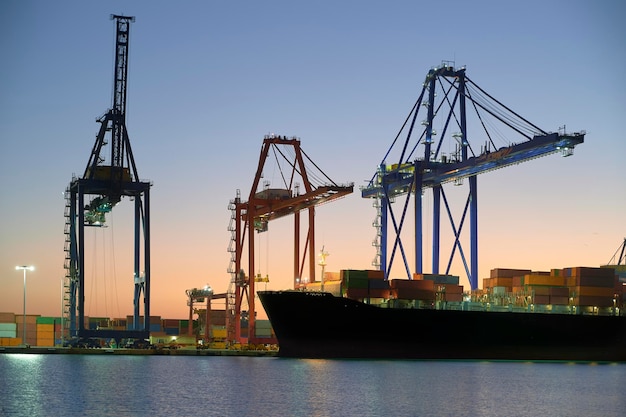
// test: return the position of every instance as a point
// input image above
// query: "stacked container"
(446, 287)
(8, 330)
(364, 284)
(596, 287)
(404, 289)
(45, 331)
(31, 328)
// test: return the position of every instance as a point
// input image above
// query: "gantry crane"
(108, 178)
(265, 204)
(448, 96)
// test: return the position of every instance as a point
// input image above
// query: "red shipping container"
(453, 297)
(412, 284)
(559, 300)
(508, 273)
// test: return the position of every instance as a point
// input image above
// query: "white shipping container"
(8, 326)
(8, 333)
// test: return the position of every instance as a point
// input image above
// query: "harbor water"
(97, 385)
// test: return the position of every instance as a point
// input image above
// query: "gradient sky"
(208, 79)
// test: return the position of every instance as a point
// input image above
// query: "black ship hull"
(320, 325)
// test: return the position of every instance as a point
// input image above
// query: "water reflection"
(102, 385)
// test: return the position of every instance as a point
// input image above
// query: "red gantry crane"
(265, 204)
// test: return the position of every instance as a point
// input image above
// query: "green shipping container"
(46, 320)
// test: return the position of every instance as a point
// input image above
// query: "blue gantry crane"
(448, 98)
(108, 177)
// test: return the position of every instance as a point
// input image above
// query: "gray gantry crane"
(108, 177)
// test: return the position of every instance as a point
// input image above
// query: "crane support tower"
(448, 96)
(266, 204)
(196, 296)
(108, 177)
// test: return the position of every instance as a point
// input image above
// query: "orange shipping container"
(375, 273)
(502, 282)
(534, 279)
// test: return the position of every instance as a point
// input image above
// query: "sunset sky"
(209, 79)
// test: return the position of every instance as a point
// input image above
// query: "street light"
(24, 268)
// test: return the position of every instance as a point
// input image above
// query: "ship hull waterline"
(320, 325)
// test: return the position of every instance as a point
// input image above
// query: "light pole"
(24, 268)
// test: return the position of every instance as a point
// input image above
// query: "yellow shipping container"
(45, 341)
(10, 341)
(535, 279)
(220, 333)
(46, 326)
(45, 334)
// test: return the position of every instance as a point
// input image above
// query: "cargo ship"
(410, 322)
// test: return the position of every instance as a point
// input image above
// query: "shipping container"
(45, 341)
(220, 333)
(332, 276)
(508, 273)
(8, 333)
(375, 274)
(559, 291)
(593, 291)
(593, 301)
(8, 326)
(7, 318)
(451, 297)
(412, 284)
(501, 282)
(438, 278)
(536, 279)
(378, 284)
(559, 300)
(591, 281)
(413, 294)
(30, 319)
(171, 331)
(10, 341)
(47, 320)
